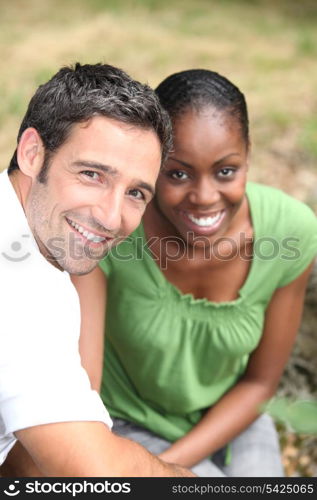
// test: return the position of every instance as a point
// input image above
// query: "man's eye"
(90, 173)
(178, 175)
(137, 194)
(226, 172)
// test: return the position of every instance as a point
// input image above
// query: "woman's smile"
(204, 224)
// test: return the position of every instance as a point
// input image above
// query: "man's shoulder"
(10, 205)
(4, 187)
(18, 252)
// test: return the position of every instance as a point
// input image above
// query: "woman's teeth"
(205, 221)
(90, 236)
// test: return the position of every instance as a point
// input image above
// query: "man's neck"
(22, 185)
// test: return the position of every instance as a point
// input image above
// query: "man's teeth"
(205, 221)
(90, 236)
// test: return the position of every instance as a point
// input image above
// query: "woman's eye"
(91, 174)
(137, 194)
(226, 172)
(178, 175)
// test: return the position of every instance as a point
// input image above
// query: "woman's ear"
(30, 152)
(249, 154)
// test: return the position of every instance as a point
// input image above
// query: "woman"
(205, 299)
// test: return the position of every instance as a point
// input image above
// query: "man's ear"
(30, 152)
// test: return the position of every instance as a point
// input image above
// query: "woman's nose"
(204, 193)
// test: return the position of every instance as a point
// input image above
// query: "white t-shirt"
(41, 377)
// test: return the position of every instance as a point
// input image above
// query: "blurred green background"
(268, 48)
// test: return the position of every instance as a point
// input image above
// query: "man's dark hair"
(198, 88)
(76, 93)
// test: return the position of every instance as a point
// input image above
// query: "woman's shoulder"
(276, 209)
(286, 224)
(269, 195)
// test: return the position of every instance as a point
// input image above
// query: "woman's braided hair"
(199, 88)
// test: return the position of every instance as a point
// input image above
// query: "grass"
(265, 47)
(308, 136)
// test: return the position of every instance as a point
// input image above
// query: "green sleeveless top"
(169, 356)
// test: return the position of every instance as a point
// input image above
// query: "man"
(89, 151)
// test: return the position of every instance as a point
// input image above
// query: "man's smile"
(88, 234)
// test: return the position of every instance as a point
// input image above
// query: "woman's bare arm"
(91, 289)
(237, 409)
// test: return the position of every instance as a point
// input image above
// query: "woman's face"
(202, 186)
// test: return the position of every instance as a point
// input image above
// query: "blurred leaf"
(300, 415)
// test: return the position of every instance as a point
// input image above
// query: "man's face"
(98, 185)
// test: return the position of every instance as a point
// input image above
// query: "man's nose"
(204, 193)
(108, 211)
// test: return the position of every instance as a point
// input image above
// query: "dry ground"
(267, 48)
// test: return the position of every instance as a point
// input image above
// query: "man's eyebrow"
(112, 171)
(146, 186)
(98, 166)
